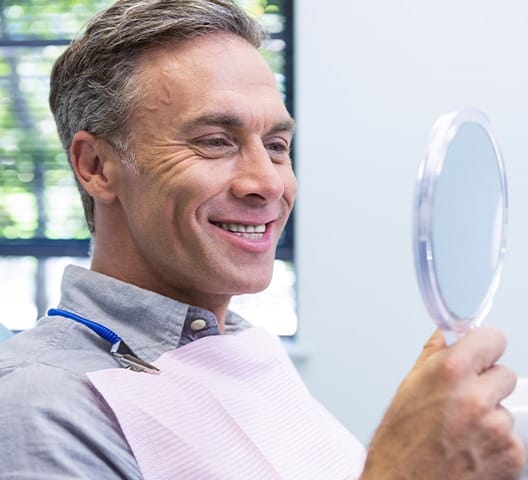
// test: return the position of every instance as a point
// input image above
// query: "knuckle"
(519, 447)
(507, 374)
(515, 455)
(500, 427)
(453, 368)
(475, 405)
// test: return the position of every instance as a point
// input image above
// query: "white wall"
(371, 79)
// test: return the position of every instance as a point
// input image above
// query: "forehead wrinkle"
(214, 119)
(234, 121)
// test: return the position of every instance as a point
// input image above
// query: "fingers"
(502, 452)
(478, 350)
(511, 462)
(495, 384)
(473, 354)
(448, 409)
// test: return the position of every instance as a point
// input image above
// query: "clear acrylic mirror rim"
(443, 132)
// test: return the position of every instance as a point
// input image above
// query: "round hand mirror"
(460, 221)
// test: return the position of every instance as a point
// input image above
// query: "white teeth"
(239, 228)
(251, 232)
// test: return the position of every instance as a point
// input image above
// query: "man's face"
(216, 184)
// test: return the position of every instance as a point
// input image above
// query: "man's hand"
(445, 421)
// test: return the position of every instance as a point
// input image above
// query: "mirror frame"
(443, 132)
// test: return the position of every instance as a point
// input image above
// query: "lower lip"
(260, 245)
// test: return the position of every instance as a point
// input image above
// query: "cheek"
(168, 181)
(290, 187)
(184, 198)
(145, 202)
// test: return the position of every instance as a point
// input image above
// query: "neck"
(107, 259)
(115, 254)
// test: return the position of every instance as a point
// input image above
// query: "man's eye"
(278, 150)
(278, 147)
(214, 146)
(215, 142)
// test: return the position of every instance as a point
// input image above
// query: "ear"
(92, 166)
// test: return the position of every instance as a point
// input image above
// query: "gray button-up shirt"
(53, 424)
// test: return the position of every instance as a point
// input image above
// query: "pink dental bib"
(228, 407)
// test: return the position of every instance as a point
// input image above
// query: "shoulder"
(38, 384)
(56, 342)
(55, 421)
(44, 398)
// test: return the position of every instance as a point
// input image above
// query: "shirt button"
(198, 324)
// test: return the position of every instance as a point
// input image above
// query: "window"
(41, 220)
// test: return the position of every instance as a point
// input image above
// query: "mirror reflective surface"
(459, 221)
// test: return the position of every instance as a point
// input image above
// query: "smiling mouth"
(251, 232)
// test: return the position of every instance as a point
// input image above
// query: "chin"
(254, 286)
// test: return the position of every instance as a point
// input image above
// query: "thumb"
(435, 343)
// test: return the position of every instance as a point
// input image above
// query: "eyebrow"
(284, 126)
(233, 121)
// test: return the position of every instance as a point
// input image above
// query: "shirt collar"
(149, 323)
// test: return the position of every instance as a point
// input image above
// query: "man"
(179, 142)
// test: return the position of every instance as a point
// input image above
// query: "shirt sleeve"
(54, 425)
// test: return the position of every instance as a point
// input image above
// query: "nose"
(257, 178)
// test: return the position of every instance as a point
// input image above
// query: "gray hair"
(93, 84)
